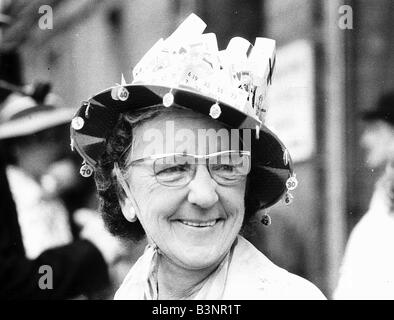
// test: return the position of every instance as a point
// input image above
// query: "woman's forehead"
(180, 119)
(181, 131)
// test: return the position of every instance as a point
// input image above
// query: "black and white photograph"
(197, 150)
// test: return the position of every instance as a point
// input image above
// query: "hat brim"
(274, 163)
(34, 123)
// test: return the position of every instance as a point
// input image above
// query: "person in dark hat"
(368, 263)
(181, 157)
(35, 230)
(78, 267)
(33, 136)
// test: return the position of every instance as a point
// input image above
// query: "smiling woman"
(202, 215)
(191, 198)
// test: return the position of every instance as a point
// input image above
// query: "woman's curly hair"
(110, 192)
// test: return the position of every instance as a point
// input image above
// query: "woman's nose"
(203, 188)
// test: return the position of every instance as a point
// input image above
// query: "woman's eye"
(223, 168)
(173, 169)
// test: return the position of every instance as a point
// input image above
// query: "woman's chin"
(197, 259)
(196, 248)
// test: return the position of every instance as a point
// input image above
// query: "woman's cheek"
(232, 200)
(157, 206)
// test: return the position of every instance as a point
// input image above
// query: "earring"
(131, 215)
(266, 219)
(288, 198)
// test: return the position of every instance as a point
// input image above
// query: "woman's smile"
(199, 223)
(192, 219)
(190, 234)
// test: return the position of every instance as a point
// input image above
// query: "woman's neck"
(176, 283)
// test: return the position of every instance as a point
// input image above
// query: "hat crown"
(238, 76)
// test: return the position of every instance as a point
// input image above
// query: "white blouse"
(245, 273)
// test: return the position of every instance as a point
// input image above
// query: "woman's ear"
(125, 198)
(128, 210)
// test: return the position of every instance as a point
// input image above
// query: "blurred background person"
(78, 267)
(41, 170)
(60, 226)
(33, 135)
(368, 265)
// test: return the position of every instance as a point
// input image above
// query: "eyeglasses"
(178, 169)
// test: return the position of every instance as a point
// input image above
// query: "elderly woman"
(181, 156)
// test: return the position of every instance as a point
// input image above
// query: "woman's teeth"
(199, 224)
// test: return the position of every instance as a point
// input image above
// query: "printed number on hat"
(86, 170)
(291, 183)
(123, 94)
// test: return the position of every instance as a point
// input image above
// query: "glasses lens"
(174, 170)
(229, 168)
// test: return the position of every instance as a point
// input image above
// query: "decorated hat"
(188, 69)
(21, 115)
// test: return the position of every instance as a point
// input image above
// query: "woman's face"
(194, 225)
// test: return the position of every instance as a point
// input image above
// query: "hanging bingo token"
(291, 183)
(288, 198)
(86, 170)
(266, 220)
(122, 94)
(168, 99)
(215, 111)
(77, 123)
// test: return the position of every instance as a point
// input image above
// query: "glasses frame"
(205, 157)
